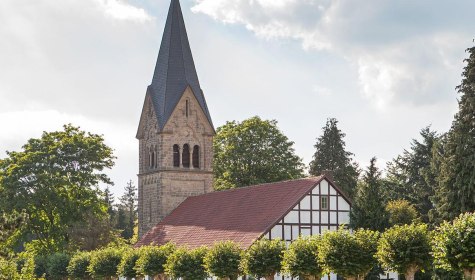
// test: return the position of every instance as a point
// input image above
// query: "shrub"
(8, 270)
(187, 264)
(349, 255)
(264, 258)
(104, 263)
(152, 259)
(401, 212)
(41, 266)
(127, 264)
(454, 245)
(56, 266)
(405, 249)
(223, 260)
(301, 259)
(77, 268)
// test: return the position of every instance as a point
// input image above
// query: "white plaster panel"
(343, 218)
(342, 204)
(333, 203)
(324, 187)
(305, 203)
(305, 217)
(333, 218)
(292, 217)
(324, 217)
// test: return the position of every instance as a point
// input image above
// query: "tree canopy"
(264, 258)
(401, 212)
(54, 179)
(251, 152)
(330, 155)
(301, 259)
(454, 159)
(223, 260)
(368, 209)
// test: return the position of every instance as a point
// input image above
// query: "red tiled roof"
(241, 215)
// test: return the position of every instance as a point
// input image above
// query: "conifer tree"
(330, 155)
(455, 159)
(410, 176)
(109, 200)
(128, 208)
(368, 209)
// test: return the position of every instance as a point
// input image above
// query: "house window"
(324, 202)
(176, 156)
(186, 156)
(196, 156)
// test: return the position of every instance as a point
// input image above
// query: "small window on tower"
(187, 107)
(186, 156)
(196, 156)
(176, 156)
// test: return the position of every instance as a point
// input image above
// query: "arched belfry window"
(176, 156)
(196, 156)
(185, 158)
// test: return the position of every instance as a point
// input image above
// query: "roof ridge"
(260, 185)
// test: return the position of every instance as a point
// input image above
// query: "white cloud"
(122, 11)
(391, 44)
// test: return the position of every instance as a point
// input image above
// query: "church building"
(176, 198)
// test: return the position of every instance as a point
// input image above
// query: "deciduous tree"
(264, 258)
(54, 179)
(454, 245)
(251, 152)
(223, 260)
(330, 155)
(301, 259)
(349, 255)
(405, 249)
(152, 260)
(401, 212)
(187, 264)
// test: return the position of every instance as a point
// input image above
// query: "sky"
(385, 69)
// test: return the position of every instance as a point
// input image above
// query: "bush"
(77, 268)
(301, 259)
(8, 270)
(153, 259)
(349, 255)
(454, 245)
(405, 249)
(56, 266)
(187, 264)
(401, 212)
(264, 258)
(41, 266)
(104, 263)
(127, 264)
(223, 260)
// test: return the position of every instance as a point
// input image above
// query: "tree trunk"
(351, 278)
(269, 277)
(469, 274)
(411, 273)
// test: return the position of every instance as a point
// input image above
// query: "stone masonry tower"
(175, 132)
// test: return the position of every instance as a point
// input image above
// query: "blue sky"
(384, 69)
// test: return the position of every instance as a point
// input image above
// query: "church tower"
(175, 132)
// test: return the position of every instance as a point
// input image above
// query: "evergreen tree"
(127, 210)
(330, 155)
(410, 176)
(109, 201)
(368, 209)
(455, 191)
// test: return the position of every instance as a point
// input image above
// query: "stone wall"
(163, 187)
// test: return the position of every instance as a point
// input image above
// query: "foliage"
(9, 225)
(301, 259)
(8, 269)
(401, 212)
(19, 268)
(56, 266)
(54, 179)
(127, 264)
(127, 211)
(252, 152)
(187, 264)
(77, 268)
(104, 262)
(405, 249)
(91, 232)
(152, 259)
(454, 158)
(368, 209)
(264, 258)
(454, 244)
(349, 255)
(41, 266)
(330, 155)
(410, 177)
(223, 260)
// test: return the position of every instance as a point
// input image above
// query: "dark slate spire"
(175, 69)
